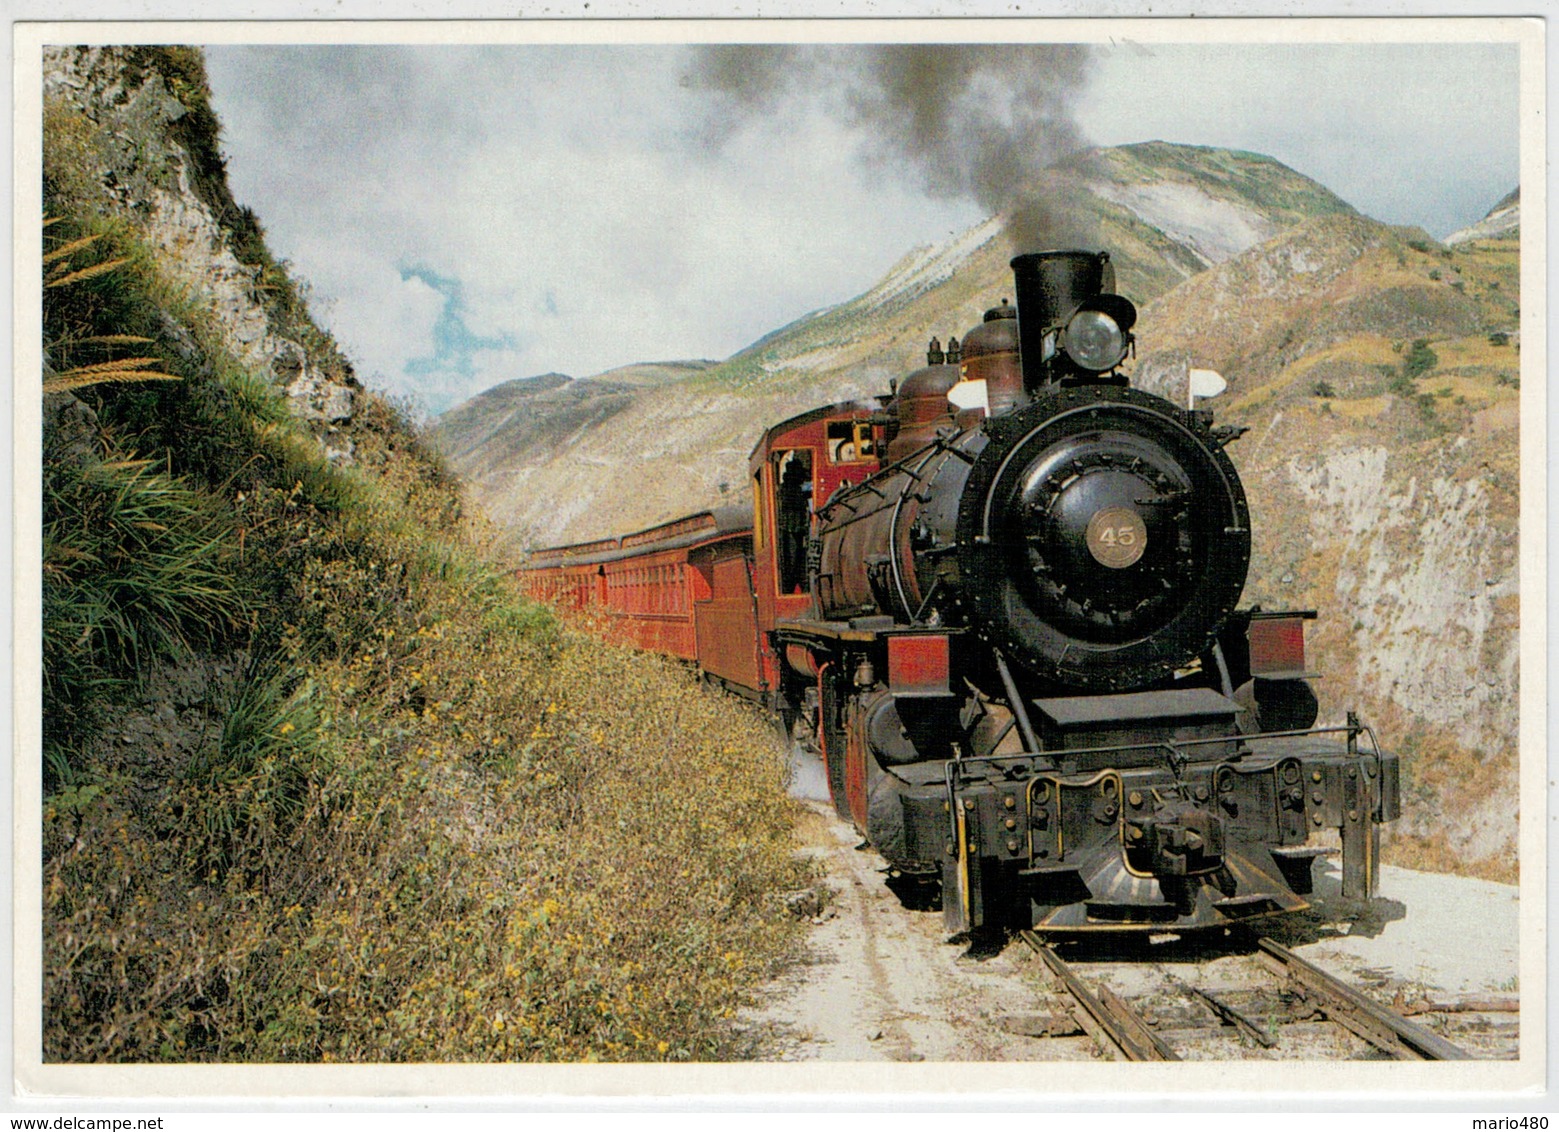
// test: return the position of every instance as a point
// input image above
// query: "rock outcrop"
(147, 155)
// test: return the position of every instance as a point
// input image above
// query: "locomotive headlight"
(1098, 334)
(1094, 340)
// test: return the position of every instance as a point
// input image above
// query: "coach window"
(793, 517)
(757, 510)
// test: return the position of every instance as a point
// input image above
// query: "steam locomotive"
(1002, 605)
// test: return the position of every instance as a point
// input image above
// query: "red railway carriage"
(655, 583)
(710, 587)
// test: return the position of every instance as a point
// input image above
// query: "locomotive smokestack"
(1052, 286)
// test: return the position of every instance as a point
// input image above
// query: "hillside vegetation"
(1379, 374)
(319, 783)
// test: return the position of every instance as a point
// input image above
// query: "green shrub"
(1420, 359)
(503, 866)
(247, 792)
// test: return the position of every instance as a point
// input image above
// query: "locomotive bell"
(1070, 324)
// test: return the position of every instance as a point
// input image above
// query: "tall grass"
(136, 568)
(243, 796)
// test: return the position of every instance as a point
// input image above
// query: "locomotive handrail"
(1353, 730)
(899, 465)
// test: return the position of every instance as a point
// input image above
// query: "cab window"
(850, 442)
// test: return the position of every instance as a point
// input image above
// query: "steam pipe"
(1019, 712)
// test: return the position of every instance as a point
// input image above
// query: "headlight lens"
(1094, 340)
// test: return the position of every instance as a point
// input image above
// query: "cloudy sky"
(470, 214)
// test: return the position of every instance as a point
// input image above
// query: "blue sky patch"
(455, 345)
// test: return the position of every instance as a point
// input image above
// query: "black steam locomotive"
(1002, 604)
(1023, 654)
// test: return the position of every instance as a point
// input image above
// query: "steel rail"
(1383, 1028)
(1129, 1037)
(1245, 1025)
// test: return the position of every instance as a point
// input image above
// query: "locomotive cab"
(795, 467)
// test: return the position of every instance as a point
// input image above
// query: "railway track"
(1304, 991)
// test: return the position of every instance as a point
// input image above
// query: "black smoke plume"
(978, 122)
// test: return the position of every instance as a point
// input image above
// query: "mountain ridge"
(855, 347)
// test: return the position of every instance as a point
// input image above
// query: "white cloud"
(567, 192)
(387, 319)
(1408, 133)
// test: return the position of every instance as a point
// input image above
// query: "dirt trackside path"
(885, 984)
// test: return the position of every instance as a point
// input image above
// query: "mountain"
(1502, 222)
(541, 417)
(1378, 373)
(1166, 212)
(1376, 369)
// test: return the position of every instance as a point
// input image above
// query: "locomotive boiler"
(1028, 670)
